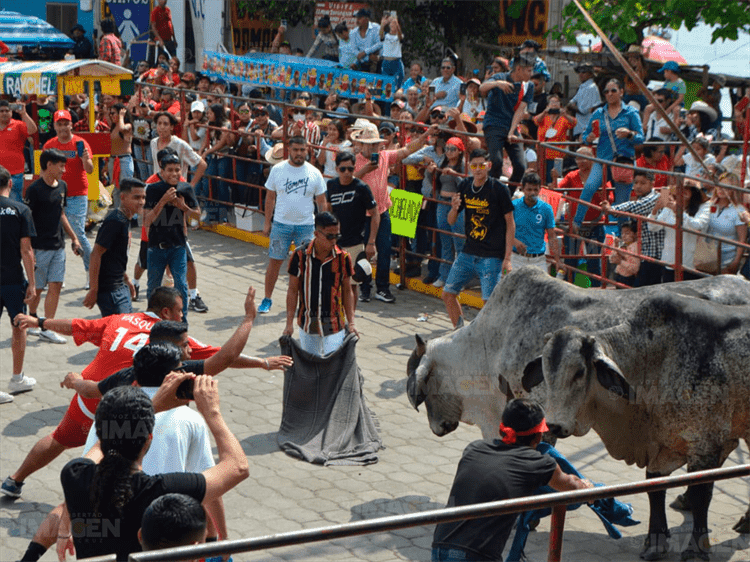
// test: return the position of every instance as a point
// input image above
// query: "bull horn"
(421, 345)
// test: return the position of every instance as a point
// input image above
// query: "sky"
(724, 57)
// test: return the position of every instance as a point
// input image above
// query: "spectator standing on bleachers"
(447, 87)
(553, 125)
(508, 94)
(533, 218)
(531, 48)
(627, 266)
(162, 30)
(672, 81)
(83, 49)
(471, 103)
(586, 98)
(655, 124)
(367, 42)
(391, 37)
(109, 44)
(696, 168)
(327, 39)
(347, 49)
(13, 135)
(654, 157)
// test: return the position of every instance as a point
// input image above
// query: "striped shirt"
(321, 309)
(652, 242)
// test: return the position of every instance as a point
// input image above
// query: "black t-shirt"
(44, 114)
(15, 223)
(114, 236)
(486, 208)
(350, 204)
(47, 204)
(490, 472)
(126, 376)
(97, 534)
(168, 227)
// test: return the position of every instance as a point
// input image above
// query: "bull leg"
(656, 545)
(743, 525)
(699, 497)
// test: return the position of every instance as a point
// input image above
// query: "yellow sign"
(530, 24)
(405, 212)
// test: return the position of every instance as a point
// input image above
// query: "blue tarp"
(29, 31)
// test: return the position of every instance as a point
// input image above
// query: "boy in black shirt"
(167, 203)
(352, 202)
(501, 470)
(490, 231)
(111, 288)
(16, 230)
(46, 199)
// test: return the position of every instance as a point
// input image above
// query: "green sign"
(405, 212)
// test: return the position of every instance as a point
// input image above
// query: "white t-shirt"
(188, 156)
(181, 441)
(693, 167)
(391, 46)
(329, 168)
(296, 188)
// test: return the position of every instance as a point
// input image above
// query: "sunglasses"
(611, 91)
(330, 236)
(437, 115)
(451, 149)
(346, 168)
(482, 166)
(446, 68)
(244, 111)
(298, 112)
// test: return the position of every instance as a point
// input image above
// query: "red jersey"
(573, 185)
(162, 20)
(75, 176)
(660, 180)
(12, 141)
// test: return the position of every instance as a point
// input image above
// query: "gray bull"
(668, 386)
(469, 374)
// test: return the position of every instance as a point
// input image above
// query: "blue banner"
(316, 76)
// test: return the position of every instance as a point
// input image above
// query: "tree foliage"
(628, 19)
(296, 11)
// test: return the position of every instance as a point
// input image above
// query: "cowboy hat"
(275, 154)
(368, 135)
(703, 107)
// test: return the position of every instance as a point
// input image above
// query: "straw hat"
(368, 135)
(360, 124)
(275, 154)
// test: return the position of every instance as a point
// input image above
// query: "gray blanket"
(325, 419)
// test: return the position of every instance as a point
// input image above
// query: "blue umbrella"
(29, 31)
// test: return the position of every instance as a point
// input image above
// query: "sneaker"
(11, 488)
(439, 283)
(51, 337)
(385, 296)
(265, 306)
(429, 280)
(364, 296)
(5, 397)
(137, 290)
(33, 331)
(198, 305)
(23, 385)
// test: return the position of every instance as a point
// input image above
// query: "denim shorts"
(282, 236)
(466, 267)
(50, 267)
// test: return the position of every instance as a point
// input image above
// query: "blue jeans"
(116, 301)
(127, 170)
(143, 159)
(247, 172)
(466, 267)
(174, 257)
(383, 246)
(76, 210)
(622, 191)
(449, 244)
(222, 168)
(446, 554)
(497, 139)
(394, 68)
(16, 192)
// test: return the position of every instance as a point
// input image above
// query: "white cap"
(197, 105)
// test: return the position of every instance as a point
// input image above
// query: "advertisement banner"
(405, 212)
(338, 12)
(132, 20)
(316, 76)
(530, 24)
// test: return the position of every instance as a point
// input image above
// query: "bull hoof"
(692, 554)
(698, 549)
(743, 525)
(656, 551)
(681, 503)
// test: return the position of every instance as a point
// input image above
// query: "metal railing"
(556, 501)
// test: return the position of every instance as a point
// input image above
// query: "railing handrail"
(435, 516)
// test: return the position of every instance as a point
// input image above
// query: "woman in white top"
(195, 132)
(695, 216)
(165, 124)
(334, 142)
(391, 36)
(726, 221)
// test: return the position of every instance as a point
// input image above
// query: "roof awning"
(41, 77)
(29, 31)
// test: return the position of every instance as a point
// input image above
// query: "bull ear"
(609, 376)
(532, 374)
(421, 345)
(416, 387)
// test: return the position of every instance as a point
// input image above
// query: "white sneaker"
(5, 397)
(33, 332)
(24, 385)
(51, 337)
(439, 283)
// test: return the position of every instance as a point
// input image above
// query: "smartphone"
(375, 158)
(553, 111)
(462, 89)
(186, 389)
(393, 14)
(79, 148)
(431, 88)
(17, 107)
(558, 167)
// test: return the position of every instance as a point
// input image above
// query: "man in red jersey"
(118, 337)
(78, 165)
(13, 135)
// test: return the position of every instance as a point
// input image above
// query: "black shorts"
(11, 298)
(143, 255)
